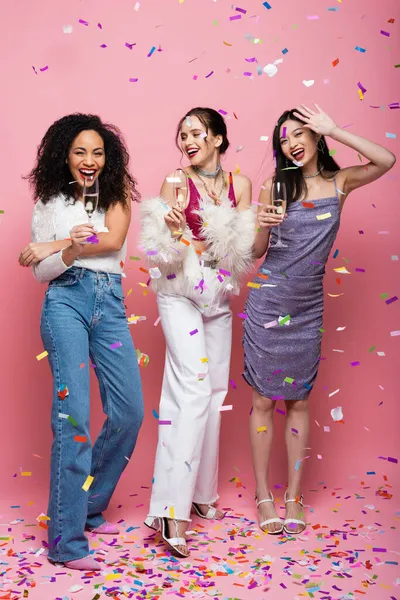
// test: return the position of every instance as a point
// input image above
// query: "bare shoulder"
(267, 185)
(241, 181)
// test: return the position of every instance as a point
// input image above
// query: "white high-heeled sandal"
(272, 520)
(210, 514)
(291, 521)
(160, 524)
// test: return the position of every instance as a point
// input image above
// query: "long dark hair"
(212, 120)
(51, 175)
(296, 187)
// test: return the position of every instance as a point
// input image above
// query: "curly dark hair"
(51, 175)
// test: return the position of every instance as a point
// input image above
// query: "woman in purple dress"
(282, 332)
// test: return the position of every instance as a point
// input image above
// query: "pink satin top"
(192, 219)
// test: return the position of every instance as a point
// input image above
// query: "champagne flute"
(90, 197)
(90, 202)
(279, 200)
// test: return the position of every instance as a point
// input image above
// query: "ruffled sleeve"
(43, 230)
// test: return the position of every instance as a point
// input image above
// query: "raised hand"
(268, 217)
(317, 121)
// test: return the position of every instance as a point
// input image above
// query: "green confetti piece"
(396, 66)
(322, 330)
(72, 421)
(332, 152)
(215, 22)
(371, 349)
(134, 258)
(284, 320)
(1, 212)
(288, 380)
(383, 296)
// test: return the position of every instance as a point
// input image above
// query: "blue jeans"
(84, 316)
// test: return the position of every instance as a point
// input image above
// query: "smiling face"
(298, 143)
(86, 157)
(198, 144)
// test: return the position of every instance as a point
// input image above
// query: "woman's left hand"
(319, 122)
(33, 253)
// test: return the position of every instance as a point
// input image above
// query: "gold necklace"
(214, 197)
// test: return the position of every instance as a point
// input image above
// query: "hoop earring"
(321, 145)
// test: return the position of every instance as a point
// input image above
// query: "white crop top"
(53, 221)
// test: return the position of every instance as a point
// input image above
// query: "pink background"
(84, 77)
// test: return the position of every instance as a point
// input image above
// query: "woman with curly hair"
(84, 317)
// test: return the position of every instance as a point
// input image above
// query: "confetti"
(337, 413)
(88, 483)
(42, 355)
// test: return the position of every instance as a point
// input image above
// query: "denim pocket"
(65, 280)
(116, 290)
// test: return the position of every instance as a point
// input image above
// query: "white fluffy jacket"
(229, 237)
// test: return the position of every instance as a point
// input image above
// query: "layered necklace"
(215, 197)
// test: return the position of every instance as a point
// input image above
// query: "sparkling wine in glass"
(180, 187)
(90, 197)
(279, 200)
(90, 202)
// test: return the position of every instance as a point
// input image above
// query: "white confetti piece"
(137, 6)
(75, 588)
(319, 456)
(270, 70)
(394, 333)
(324, 216)
(67, 28)
(226, 407)
(62, 416)
(264, 138)
(335, 350)
(342, 270)
(381, 354)
(308, 82)
(327, 428)
(341, 328)
(333, 393)
(239, 148)
(156, 322)
(370, 506)
(155, 273)
(337, 413)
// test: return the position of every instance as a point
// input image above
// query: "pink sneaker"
(105, 528)
(83, 564)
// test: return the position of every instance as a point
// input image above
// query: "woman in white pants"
(198, 238)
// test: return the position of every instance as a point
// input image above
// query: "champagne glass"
(90, 197)
(180, 188)
(279, 200)
(90, 202)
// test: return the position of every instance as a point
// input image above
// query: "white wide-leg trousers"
(198, 334)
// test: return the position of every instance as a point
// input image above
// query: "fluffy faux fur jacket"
(175, 266)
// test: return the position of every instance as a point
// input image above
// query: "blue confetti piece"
(307, 386)
(359, 49)
(285, 51)
(333, 8)
(392, 136)
(267, 6)
(151, 51)
(155, 414)
(336, 253)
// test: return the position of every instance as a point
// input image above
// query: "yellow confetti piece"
(227, 44)
(43, 518)
(26, 473)
(263, 428)
(237, 171)
(88, 483)
(204, 360)
(253, 285)
(129, 292)
(334, 295)
(324, 216)
(360, 94)
(342, 270)
(110, 576)
(43, 355)
(171, 512)
(142, 284)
